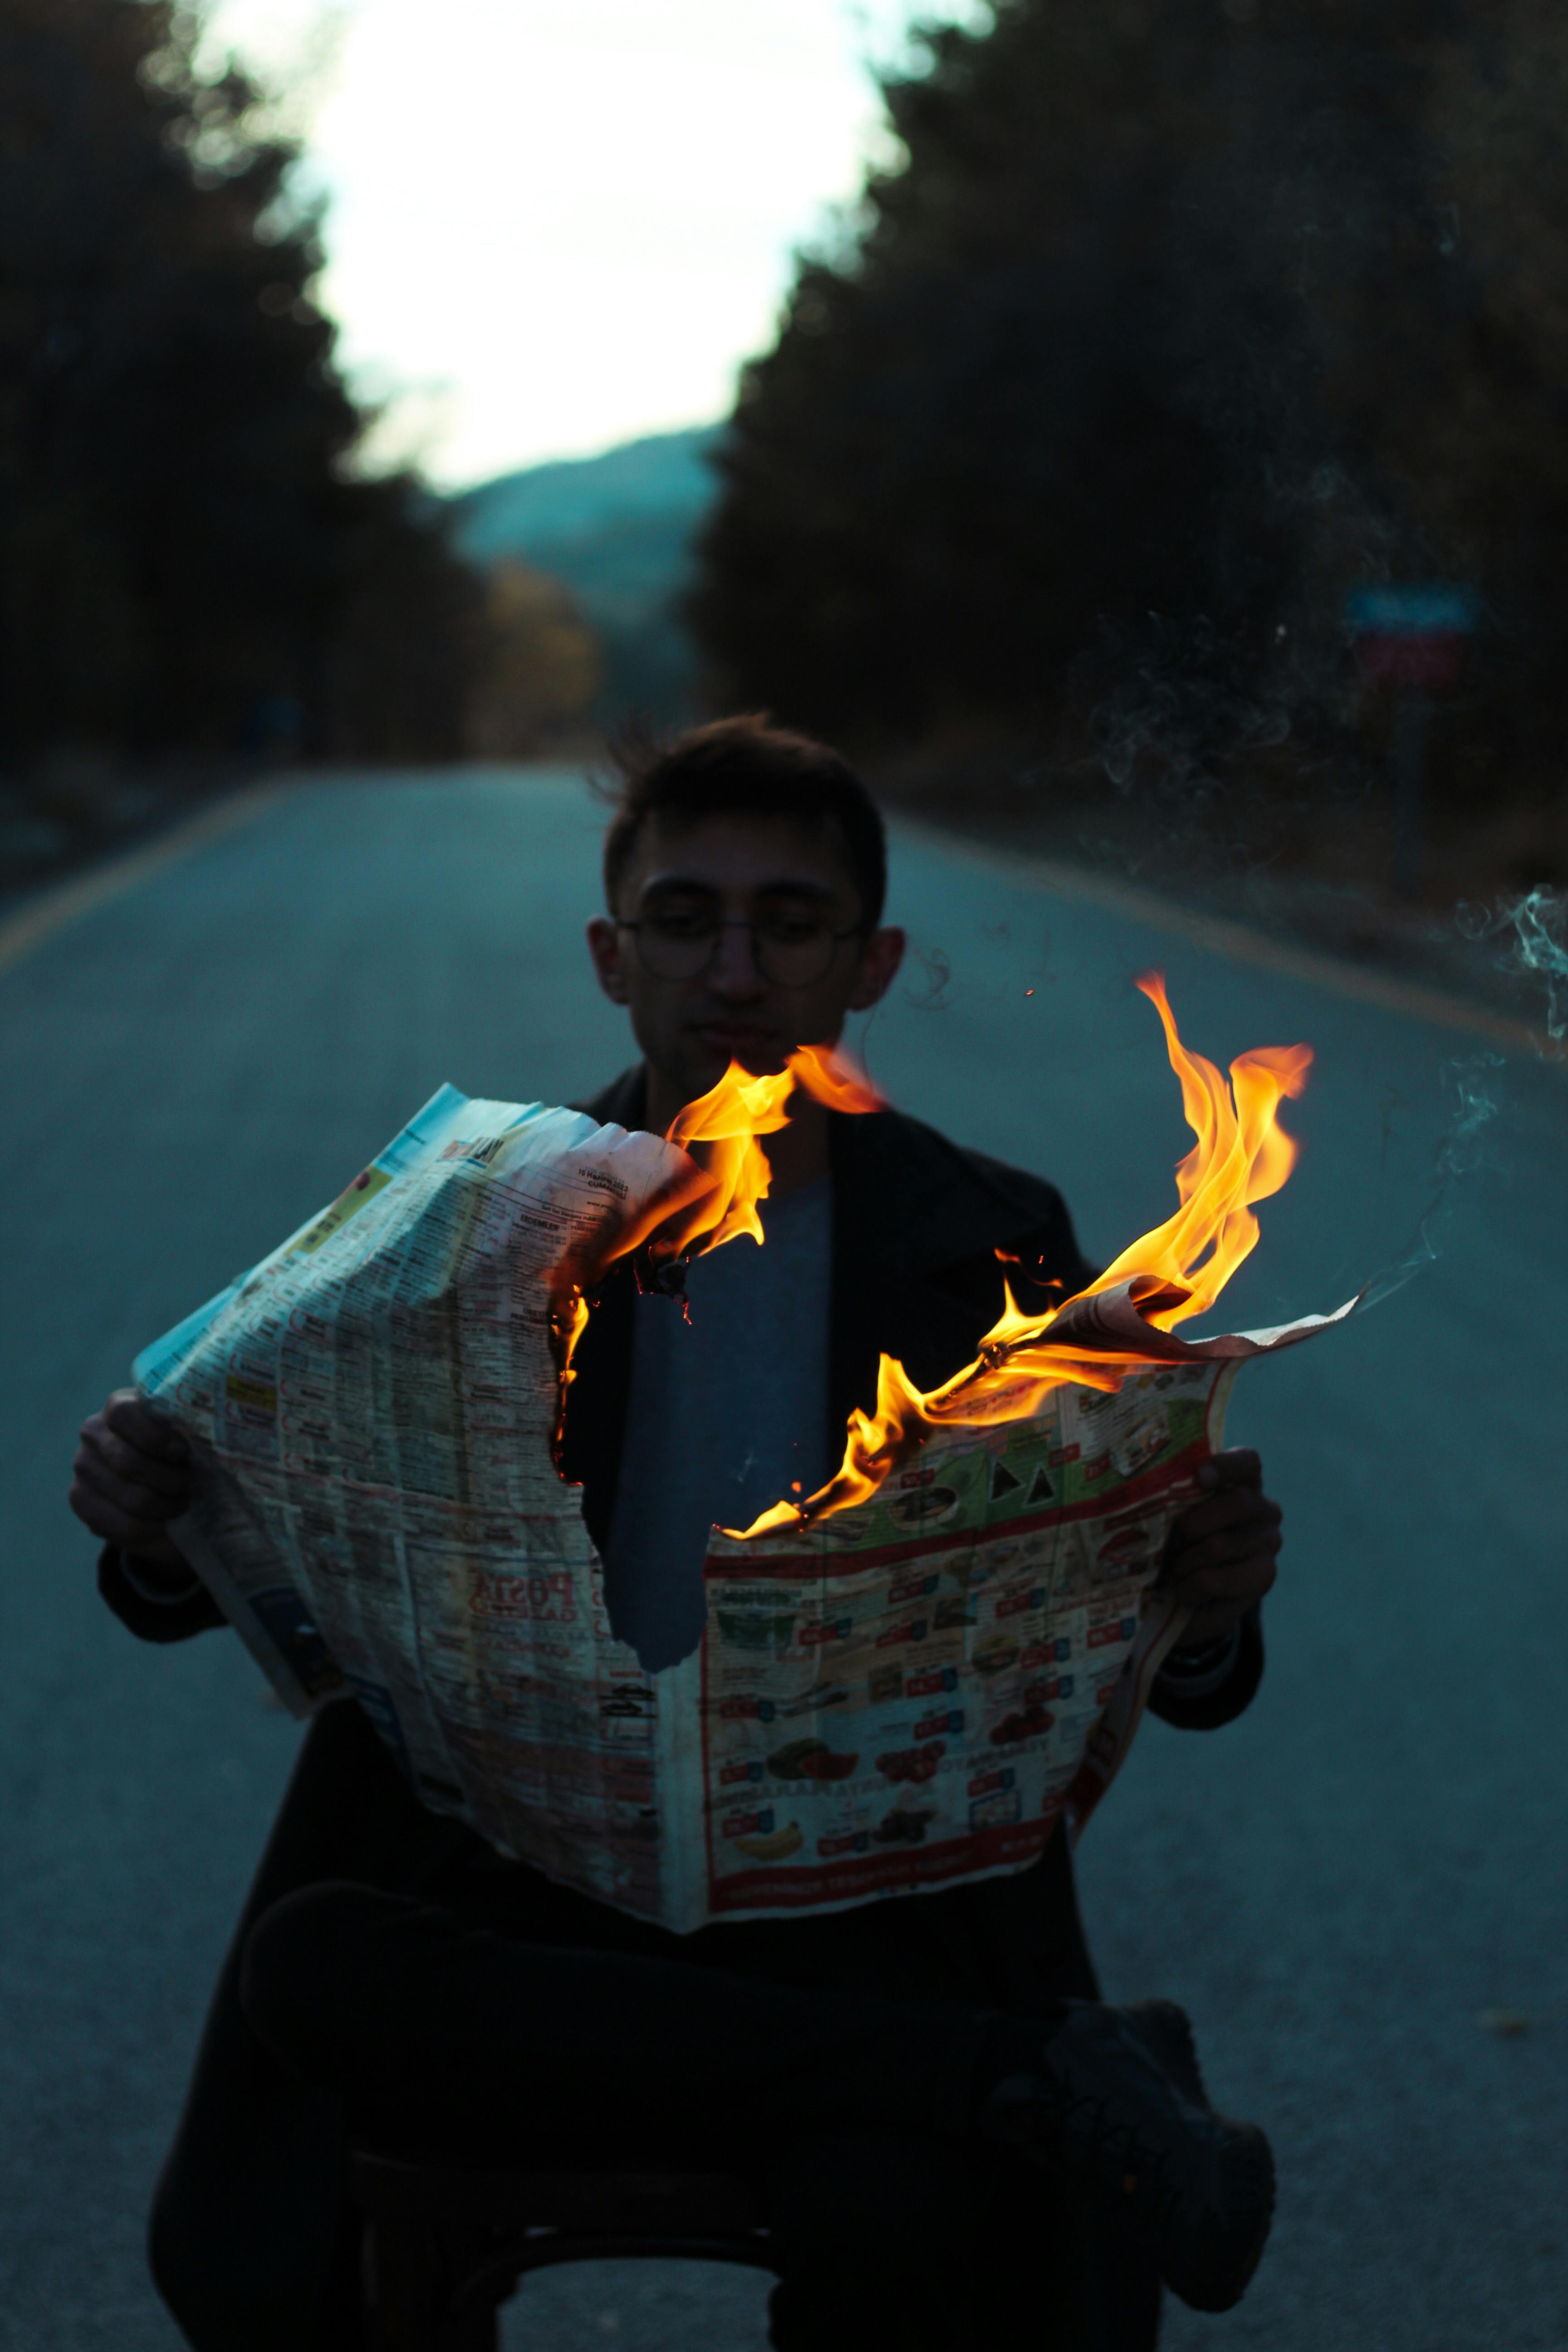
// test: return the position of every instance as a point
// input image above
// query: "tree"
(181, 535)
(1173, 322)
(543, 665)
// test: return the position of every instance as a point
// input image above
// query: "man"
(960, 2146)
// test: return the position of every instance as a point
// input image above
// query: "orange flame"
(720, 1132)
(1241, 1156)
(714, 1199)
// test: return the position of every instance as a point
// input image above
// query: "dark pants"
(390, 1976)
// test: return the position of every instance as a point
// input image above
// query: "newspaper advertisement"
(910, 1692)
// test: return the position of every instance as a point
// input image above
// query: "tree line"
(1171, 324)
(192, 558)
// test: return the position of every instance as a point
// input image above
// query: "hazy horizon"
(618, 197)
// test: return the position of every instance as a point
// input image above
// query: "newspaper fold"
(905, 1694)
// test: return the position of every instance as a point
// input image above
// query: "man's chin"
(713, 1052)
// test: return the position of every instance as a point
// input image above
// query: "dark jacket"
(918, 1226)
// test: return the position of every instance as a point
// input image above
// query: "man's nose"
(733, 971)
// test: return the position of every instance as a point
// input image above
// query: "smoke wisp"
(1534, 933)
(1459, 1152)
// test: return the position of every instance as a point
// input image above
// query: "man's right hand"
(133, 1474)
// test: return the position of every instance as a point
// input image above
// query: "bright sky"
(556, 223)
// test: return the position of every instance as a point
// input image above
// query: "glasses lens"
(792, 954)
(791, 951)
(676, 946)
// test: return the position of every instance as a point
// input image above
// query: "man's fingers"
(1221, 1559)
(1240, 1584)
(131, 1417)
(1226, 1515)
(1236, 1507)
(129, 1442)
(110, 1462)
(132, 1474)
(129, 1495)
(1216, 1578)
(1253, 1539)
(1237, 1466)
(134, 1463)
(106, 1520)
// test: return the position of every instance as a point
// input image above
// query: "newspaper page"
(910, 1693)
(918, 1693)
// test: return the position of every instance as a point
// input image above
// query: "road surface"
(1359, 1891)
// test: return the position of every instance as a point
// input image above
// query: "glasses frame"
(735, 923)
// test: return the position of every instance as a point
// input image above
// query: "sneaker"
(1117, 2099)
(1166, 2027)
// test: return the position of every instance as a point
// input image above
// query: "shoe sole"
(1248, 2164)
(1217, 2281)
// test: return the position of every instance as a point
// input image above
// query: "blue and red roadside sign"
(1412, 637)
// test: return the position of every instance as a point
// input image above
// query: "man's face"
(737, 939)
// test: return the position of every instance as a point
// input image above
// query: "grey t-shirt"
(727, 1411)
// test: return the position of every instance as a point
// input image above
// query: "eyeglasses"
(792, 951)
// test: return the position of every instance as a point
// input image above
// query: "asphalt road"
(1350, 1889)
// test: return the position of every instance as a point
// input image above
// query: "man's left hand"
(1220, 1558)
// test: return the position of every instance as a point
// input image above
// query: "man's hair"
(746, 767)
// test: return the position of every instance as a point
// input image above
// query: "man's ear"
(605, 947)
(880, 960)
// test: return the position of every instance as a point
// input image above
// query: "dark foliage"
(183, 546)
(1179, 321)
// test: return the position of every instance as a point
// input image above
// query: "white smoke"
(1459, 1152)
(1534, 933)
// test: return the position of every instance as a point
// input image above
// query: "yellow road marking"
(42, 917)
(1219, 936)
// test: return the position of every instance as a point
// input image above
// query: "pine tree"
(1175, 320)
(182, 538)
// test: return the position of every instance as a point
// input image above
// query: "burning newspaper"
(903, 1682)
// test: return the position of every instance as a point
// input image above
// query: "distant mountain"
(618, 530)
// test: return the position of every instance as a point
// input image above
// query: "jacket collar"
(914, 1201)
